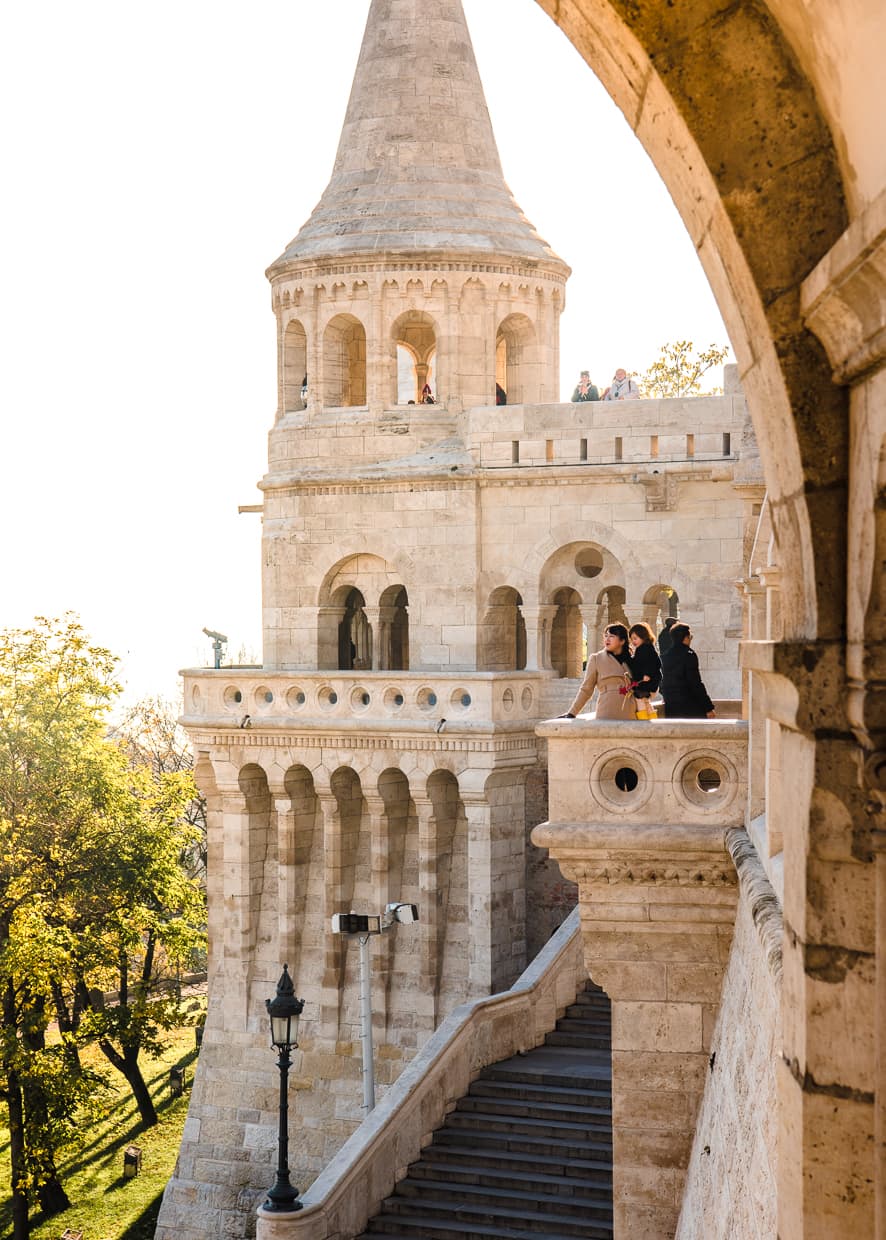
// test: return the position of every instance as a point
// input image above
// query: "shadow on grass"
(85, 1154)
(144, 1226)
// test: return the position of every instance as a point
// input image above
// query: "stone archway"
(675, 72)
(763, 199)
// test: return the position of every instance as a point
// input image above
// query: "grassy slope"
(104, 1205)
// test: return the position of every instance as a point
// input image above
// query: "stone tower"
(431, 574)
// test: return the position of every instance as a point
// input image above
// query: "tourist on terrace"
(685, 697)
(622, 387)
(609, 672)
(664, 638)
(645, 663)
(585, 390)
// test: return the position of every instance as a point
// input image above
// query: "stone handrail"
(365, 1171)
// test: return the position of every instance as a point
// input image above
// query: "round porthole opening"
(626, 779)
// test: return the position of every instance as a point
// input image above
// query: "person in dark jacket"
(664, 637)
(685, 697)
(645, 663)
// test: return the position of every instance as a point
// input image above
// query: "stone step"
(595, 1076)
(505, 1107)
(588, 1136)
(513, 1179)
(527, 1091)
(468, 1217)
(596, 1150)
(579, 1040)
(404, 1228)
(590, 1021)
(455, 1196)
(491, 1156)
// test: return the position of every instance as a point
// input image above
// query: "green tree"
(679, 370)
(152, 738)
(93, 897)
(54, 690)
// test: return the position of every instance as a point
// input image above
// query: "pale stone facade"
(447, 577)
(432, 575)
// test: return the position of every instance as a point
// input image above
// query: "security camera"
(405, 914)
(216, 637)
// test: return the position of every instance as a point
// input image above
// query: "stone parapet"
(436, 703)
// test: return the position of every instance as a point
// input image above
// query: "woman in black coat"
(685, 697)
(644, 661)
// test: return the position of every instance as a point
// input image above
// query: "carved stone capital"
(843, 297)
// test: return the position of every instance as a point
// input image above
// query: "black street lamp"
(284, 1010)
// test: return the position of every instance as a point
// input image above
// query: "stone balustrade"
(366, 1169)
(370, 699)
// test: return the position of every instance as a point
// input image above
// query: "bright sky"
(156, 159)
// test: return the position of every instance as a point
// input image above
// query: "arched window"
(414, 337)
(344, 362)
(295, 366)
(393, 626)
(503, 633)
(660, 603)
(610, 610)
(567, 635)
(517, 363)
(354, 635)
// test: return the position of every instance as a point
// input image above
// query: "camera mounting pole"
(362, 927)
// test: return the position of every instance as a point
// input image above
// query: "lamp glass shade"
(284, 1030)
(284, 1010)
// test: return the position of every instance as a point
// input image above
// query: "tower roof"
(417, 167)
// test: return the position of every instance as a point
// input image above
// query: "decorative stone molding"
(843, 299)
(758, 892)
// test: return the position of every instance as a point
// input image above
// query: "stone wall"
(731, 1186)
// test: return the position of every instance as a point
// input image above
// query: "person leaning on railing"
(609, 672)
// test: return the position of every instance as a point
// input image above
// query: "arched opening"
(517, 369)
(295, 367)
(502, 636)
(393, 630)
(660, 603)
(414, 337)
(344, 362)
(567, 635)
(354, 635)
(610, 610)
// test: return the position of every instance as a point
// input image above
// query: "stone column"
(334, 949)
(328, 620)
(427, 1000)
(238, 931)
(538, 621)
(657, 910)
(287, 928)
(382, 945)
(879, 842)
(496, 878)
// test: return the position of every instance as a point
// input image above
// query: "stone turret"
(417, 267)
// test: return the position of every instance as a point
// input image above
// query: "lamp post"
(284, 1010)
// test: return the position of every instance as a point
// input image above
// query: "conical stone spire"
(417, 168)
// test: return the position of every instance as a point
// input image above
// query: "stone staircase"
(527, 1153)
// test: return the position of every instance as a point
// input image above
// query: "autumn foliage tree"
(93, 898)
(679, 370)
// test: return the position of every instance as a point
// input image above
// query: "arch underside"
(762, 199)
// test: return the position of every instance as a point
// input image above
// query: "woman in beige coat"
(609, 672)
